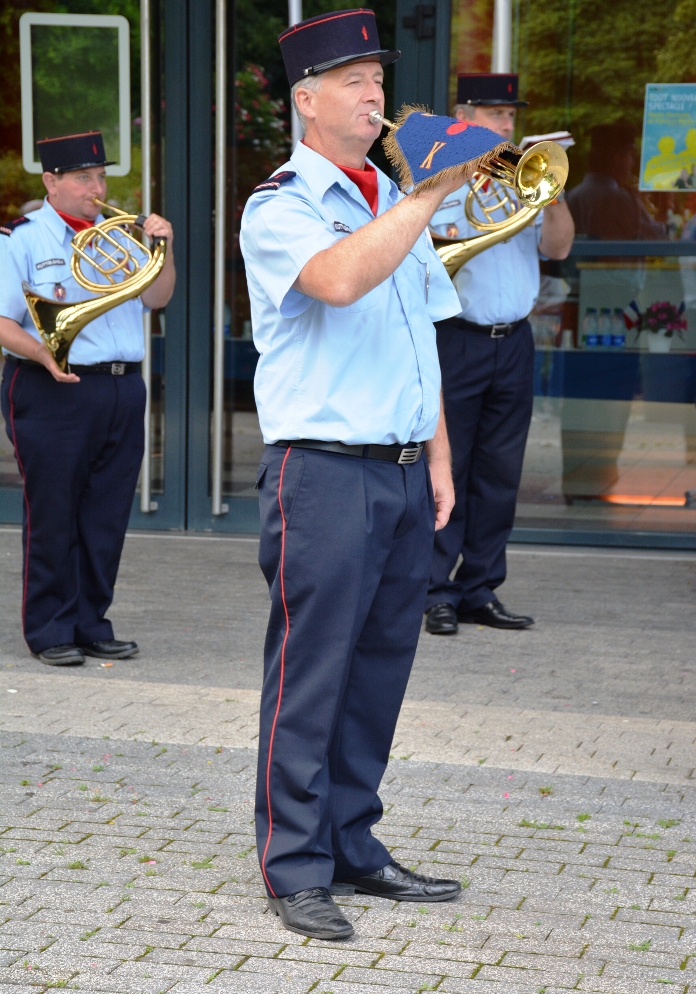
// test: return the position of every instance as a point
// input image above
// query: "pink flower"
(506, 794)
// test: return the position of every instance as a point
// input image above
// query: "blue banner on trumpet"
(422, 146)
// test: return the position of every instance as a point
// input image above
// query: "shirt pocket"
(418, 267)
(370, 300)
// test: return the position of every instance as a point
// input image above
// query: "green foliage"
(586, 62)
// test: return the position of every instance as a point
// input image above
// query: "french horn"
(120, 266)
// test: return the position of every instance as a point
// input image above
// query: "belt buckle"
(495, 327)
(118, 368)
(410, 454)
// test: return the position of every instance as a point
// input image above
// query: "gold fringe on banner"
(400, 163)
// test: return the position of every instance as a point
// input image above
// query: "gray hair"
(307, 83)
(467, 109)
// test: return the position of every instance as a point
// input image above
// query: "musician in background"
(487, 362)
(77, 435)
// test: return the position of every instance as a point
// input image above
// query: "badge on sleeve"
(275, 182)
(9, 226)
(340, 226)
(59, 291)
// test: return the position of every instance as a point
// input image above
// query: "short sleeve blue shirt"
(39, 253)
(365, 373)
(502, 283)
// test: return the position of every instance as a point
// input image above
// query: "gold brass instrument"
(535, 177)
(126, 277)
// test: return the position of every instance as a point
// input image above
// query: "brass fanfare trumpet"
(535, 177)
(126, 277)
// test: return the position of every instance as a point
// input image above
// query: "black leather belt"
(492, 330)
(403, 454)
(113, 368)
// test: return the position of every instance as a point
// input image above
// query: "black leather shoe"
(61, 655)
(399, 884)
(441, 620)
(494, 615)
(313, 913)
(111, 649)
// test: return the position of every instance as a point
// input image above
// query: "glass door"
(611, 454)
(72, 68)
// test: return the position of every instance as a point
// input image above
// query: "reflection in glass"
(612, 443)
(75, 82)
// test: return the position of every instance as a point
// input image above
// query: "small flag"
(632, 316)
(422, 146)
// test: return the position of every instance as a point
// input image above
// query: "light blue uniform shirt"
(501, 284)
(365, 373)
(39, 253)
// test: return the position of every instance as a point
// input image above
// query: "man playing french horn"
(77, 431)
(487, 361)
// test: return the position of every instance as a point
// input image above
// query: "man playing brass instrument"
(77, 435)
(487, 361)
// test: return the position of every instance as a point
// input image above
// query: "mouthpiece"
(374, 117)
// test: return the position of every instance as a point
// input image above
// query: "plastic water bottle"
(618, 329)
(604, 328)
(590, 336)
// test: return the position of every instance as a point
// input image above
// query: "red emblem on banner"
(455, 129)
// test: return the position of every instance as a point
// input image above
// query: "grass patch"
(203, 864)
(77, 864)
(546, 791)
(640, 947)
(526, 823)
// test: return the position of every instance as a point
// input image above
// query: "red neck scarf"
(76, 223)
(366, 181)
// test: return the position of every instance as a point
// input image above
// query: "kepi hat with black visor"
(329, 40)
(488, 89)
(70, 152)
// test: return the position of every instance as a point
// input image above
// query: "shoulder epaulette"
(9, 226)
(276, 181)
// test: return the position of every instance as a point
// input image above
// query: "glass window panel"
(258, 137)
(75, 78)
(75, 105)
(612, 445)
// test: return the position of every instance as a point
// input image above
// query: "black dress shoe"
(494, 615)
(399, 884)
(111, 649)
(313, 913)
(61, 655)
(441, 620)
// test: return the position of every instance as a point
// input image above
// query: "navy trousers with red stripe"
(346, 545)
(79, 447)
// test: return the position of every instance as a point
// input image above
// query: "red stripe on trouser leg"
(26, 498)
(282, 673)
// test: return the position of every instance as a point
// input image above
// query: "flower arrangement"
(663, 314)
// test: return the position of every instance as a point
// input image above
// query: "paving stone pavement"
(552, 771)
(131, 867)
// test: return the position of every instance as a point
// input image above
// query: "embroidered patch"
(50, 262)
(59, 291)
(340, 226)
(9, 226)
(449, 203)
(276, 181)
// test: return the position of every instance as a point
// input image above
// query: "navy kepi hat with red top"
(329, 40)
(70, 152)
(488, 88)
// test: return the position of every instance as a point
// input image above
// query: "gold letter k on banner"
(427, 162)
